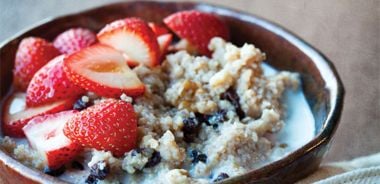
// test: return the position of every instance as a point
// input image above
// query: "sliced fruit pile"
(50, 77)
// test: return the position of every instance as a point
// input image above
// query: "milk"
(299, 123)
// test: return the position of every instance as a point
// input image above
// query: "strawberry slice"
(130, 61)
(16, 115)
(157, 29)
(45, 134)
(110, 125)
(74, 39)
(164, 41)
(133, 37)
(103, 70)
(50, 84)
(31, 55)
(197, 27)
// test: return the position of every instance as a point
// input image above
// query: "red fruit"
(157, 29)
(110, 125)
(31, 55)
(74, 39)
(164, 42)
(130, 61)
(103, 70)
(50, 84)
(133, 37)
(197, 27)
(16, 115)
(45, 134)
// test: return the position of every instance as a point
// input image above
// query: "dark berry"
(80, 104)
(99, 172)
(231, 96)
(190, 129)
(197, 156)
(221, 177)
(194, 156)
(136, 151)
(212, 120)
(91, 180)
(218, 117)
(55, 172)
(153, 160)
(190, 125)
(202, 118)
(202, 157)
(77, 165)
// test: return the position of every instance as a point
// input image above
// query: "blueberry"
(91, 180)
(197, 156)
(190, 125)
(153, 160)
(202, 157)
(99, 172)
(190, 128)
(218, 117)
(55, 172)
(80, 104)
(77, 165)
(194, 156)
(212, 120)
(202, 118)
(231, 96)
(136, 151)
(221, 177)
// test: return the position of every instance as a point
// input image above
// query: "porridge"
(203, 114)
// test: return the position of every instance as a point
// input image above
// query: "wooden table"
(347, 31)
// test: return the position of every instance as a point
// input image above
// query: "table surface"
(347, 32)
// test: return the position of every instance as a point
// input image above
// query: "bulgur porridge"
(200, 120)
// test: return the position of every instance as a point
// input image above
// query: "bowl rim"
(329, 74)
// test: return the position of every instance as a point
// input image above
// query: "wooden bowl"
(285, 51)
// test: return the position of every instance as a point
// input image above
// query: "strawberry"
(50, 84)
(74, 39)
(164, 42)
(31, 55)
(45, 134)
(133, 37)
(157, 29)
(110, 125)
(197, 27)
(103, 70)
(16, 115)
(130, 61)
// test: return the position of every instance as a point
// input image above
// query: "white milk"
(299, 123)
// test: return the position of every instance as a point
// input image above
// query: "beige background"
(347, 31)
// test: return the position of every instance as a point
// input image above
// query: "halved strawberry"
(31, 55)
(130, 61)
(16, 115)
(110, 125)
(50, 84)
(103, 70)
(133, 37)
(164, 42)
(197, 27)
(74, 39)
(158, 29)
(45, 134)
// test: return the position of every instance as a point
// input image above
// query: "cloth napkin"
(360, 170)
